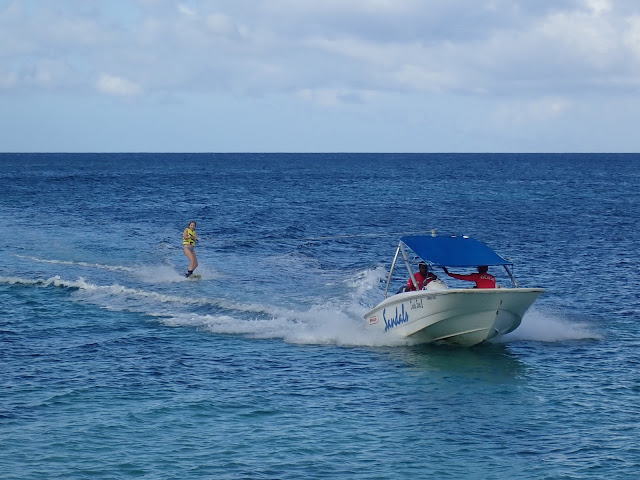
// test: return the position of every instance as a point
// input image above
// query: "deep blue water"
(116, 366)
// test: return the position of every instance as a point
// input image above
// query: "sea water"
(114, 365)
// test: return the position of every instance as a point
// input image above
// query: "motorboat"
(439, 314)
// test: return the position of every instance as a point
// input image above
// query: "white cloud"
(117, 86)
(586, 38)
(8, 79)
(632, 36)
(185, 10)
(526, 61)
(45, 74)
(528, 112)
(331, 98)
(220, 24)
(599, 6)
(421, 78)
(405, 45)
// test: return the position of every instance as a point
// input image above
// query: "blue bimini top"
(453, 251)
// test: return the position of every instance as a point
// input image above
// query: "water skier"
(189, 237)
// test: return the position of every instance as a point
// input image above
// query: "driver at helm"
(423, 277)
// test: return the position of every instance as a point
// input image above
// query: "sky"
(320, 76)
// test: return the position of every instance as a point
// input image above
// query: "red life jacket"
(420, 279)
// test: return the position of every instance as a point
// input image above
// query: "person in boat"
(423, 277)
(189, 238)
(483, 278)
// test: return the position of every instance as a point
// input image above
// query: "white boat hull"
(462, 317)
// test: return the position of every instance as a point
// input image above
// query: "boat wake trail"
(112, 268)
(114, 295)
(321, 322)
(338, 322)
(541, 326)
(152, 274)
(328, 325)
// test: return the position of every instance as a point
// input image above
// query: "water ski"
(194, 276)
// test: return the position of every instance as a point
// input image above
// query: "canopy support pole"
(393, 265)
(513, 279)
(408, 264)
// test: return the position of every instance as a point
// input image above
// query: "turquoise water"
(116, 366)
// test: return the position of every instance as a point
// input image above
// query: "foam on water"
(158, 274)
(366, 281)
(112, 268)
(107, 295)
(547, 326)
(338, 322)
(144, 273)
(317, 326)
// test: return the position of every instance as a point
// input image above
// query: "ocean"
(116, 366)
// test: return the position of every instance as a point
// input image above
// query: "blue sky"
(320, 75)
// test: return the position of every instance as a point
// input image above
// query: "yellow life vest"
(191, 238)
